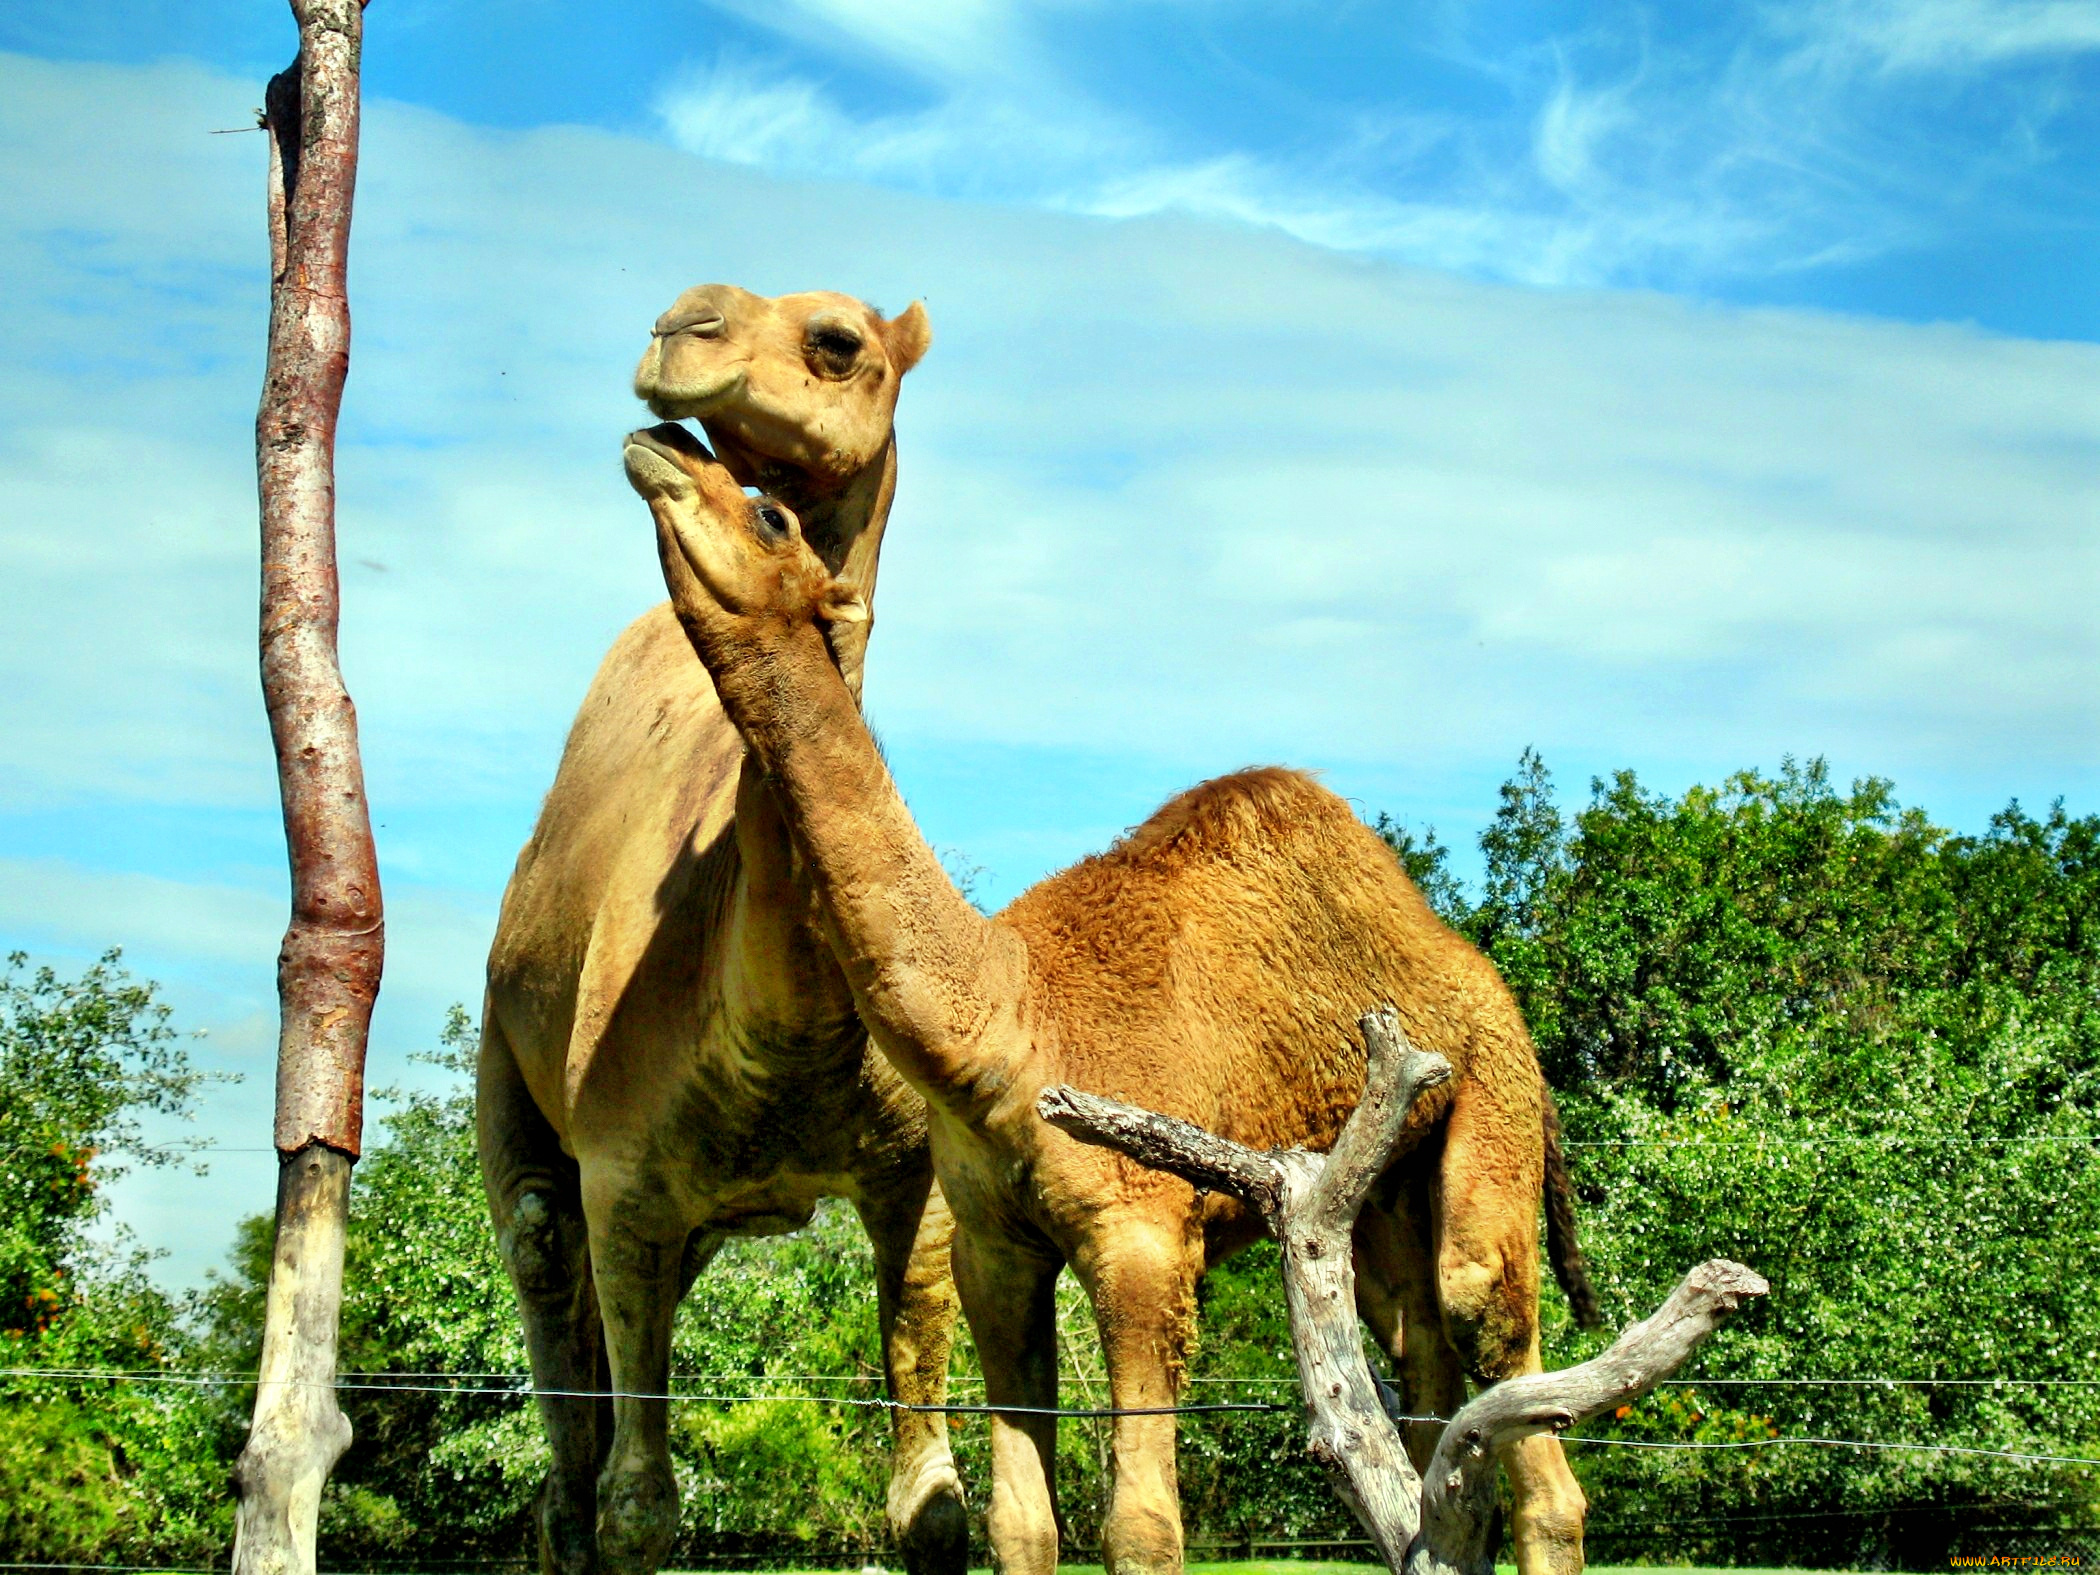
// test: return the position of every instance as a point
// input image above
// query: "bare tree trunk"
(1309, 1202)
(328, 969)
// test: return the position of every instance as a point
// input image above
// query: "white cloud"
(967, 141)
(1175, 496)
(1947, 35)
(1529, 495)
(950, 38)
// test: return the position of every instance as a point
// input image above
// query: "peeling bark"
(298, 1432)
(328, 967)
(1309, 1203)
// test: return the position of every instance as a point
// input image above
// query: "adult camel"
(670, 1055)
(1211, 965)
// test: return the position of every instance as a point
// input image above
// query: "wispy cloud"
(967, 141)
(960, 40)
(1942, 36)
(1784, 138)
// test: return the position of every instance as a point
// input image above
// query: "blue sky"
(1375, 389)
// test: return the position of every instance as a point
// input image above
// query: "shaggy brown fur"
(1212, 965)
(1563, 1246)
(669, 1054)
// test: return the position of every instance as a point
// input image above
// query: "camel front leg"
(915, 1301)
(1142, 1280)
(1010, 1297)
(639, 1282)
(1549, 1503)
(536, 1205)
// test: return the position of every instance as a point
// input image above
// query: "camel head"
(797, 393)
(737, 566)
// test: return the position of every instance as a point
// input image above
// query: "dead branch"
(1458, 1498)
(328, 967)
(1309, 1202)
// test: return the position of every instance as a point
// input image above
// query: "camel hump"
(1263, 807)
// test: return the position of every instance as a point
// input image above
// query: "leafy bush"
(89, 1468)
(1809, 1030)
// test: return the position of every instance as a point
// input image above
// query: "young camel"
(1212, 966)
(670, 1054)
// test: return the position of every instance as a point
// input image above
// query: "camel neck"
(845, 526)
(778, 975)
(845, 530)
(929, 973)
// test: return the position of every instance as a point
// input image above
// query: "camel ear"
(843, 604)
(907, 335)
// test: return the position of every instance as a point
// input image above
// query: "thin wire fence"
(417, 1382)
(520, 1387)
(1834, 1140)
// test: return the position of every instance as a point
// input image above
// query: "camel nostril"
(702, 322)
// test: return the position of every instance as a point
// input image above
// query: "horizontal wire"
(1886, 1139)
(1970, 1506)
(1076, 1412)
(1884, 1383)
(196, 1381)
(1892, 1139)
(1842, 1443)
(213, 1375)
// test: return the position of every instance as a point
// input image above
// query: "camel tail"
(1563, 1249)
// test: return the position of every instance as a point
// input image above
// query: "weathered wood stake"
(328, 968)
(1309, 1203)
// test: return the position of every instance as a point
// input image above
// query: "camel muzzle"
(666, 460)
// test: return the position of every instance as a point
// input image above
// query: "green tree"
(89, 1468)
(1428, 864)
(1808, 1029)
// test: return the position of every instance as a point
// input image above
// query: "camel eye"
(772, 520)
(838, 348)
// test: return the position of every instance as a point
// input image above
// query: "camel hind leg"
(1395, 1259)
(536, 1204)
(1487, 1276)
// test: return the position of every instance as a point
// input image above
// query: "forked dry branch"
(1309, 1203)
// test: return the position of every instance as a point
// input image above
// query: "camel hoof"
(937, 1542)
(568, 1535)
(637, 1518)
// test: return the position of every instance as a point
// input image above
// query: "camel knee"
(1142, 1532)
(1489, 1319)
(543, 1246)
(637, 1516)
(1023, 1529)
